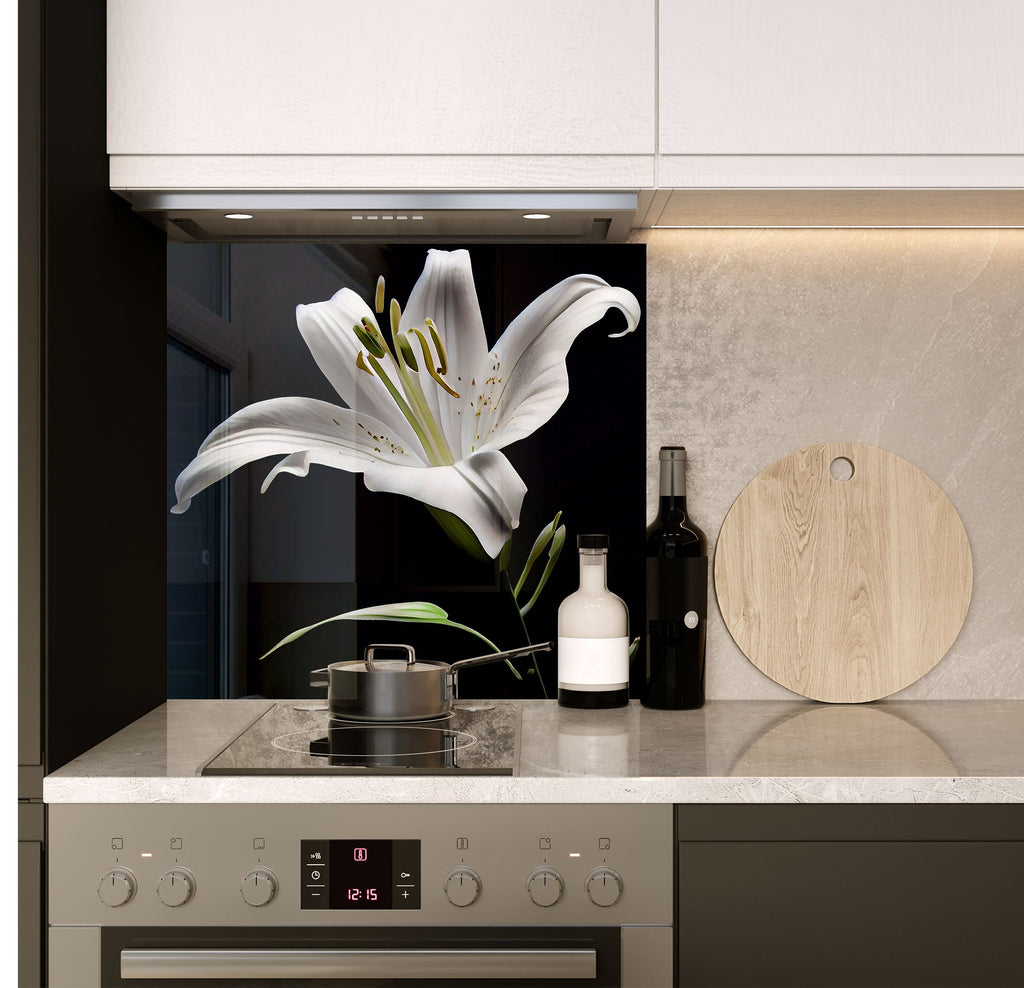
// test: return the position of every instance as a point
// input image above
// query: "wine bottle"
(677, 596)
(593, 635)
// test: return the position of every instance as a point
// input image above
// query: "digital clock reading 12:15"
(372, 873)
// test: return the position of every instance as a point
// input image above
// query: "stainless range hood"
(575, 217)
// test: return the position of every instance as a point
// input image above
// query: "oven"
(367, 894)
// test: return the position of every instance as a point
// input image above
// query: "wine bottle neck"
(672, 504)
(672, 479)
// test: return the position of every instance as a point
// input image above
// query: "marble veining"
(729, 751)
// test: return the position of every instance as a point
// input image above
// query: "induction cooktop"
(298, 737)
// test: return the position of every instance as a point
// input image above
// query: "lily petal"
(308, 431)
(484, 490)
(446, 294)
(327, 329)
(526, 381)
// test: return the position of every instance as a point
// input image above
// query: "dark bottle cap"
(591, 541)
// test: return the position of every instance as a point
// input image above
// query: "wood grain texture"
(843, 591)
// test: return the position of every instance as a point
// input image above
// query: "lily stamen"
(442, 355)
(441, 452)
(378, 298)
(429, 363)
(369, 341)
(373, 330)
(405, 348)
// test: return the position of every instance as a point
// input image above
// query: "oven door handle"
(447, 965)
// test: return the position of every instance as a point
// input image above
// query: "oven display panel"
(360, 874)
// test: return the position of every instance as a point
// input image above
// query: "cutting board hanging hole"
(841, 468)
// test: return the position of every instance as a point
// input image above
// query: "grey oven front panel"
(193, 865)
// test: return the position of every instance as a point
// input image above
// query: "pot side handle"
(318, 677)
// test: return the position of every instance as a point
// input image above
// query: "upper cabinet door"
(841, 77)
(389, 77)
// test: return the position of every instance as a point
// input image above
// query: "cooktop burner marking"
(300, 741)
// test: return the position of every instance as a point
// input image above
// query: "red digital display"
(361, 874)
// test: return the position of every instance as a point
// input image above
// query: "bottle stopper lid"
(591, 541)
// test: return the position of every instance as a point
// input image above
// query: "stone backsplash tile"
(761, 342)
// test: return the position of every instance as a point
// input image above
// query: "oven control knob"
(117, 887)
(545, 886)
(176, 887)
(604, 887)
(462, 886)
(259, 886)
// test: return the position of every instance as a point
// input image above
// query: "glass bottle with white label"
(593, 635)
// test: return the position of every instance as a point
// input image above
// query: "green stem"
(414, 391)
(526, 635)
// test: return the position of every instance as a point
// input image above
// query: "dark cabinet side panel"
(104, 339)
(850, 913)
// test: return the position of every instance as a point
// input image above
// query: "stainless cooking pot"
(394, 690)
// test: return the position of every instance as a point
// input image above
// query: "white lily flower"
(430, 412)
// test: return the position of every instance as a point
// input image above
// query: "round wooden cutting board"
(843, 590)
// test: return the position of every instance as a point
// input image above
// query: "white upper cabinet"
(834, 77)
(565, 94)
(387, 78)
(861, 78)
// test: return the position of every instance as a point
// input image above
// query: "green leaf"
(539, 545)
(415, 611)
(460, 533)
(557, 541)
(633, 646)
(503, 557)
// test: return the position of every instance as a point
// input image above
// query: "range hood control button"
(176, 887)
(545, 886)
(604, 887)
(117, 887)
(259, 886)
(462, 886)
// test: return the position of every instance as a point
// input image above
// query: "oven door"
(397, 956)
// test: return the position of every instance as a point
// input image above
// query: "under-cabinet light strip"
(831, 226)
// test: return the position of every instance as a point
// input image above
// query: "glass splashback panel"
(316, 542)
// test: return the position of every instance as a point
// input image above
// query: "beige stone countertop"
(926, 751)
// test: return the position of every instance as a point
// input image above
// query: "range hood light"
(238, 216)
(536, 216)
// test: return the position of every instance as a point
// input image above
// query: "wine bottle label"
(591, 664)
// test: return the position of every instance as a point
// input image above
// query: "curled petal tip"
(514, 524)
(181, 507)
